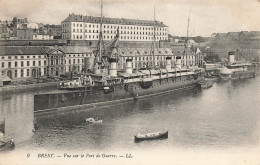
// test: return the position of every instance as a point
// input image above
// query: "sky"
(206, 16)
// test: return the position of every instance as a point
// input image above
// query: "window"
(3, 64)
(9, 57)
(15, 57)
(28, 72)
(15, 73)
(33, 63)
(39, 63)
(28, 63)
(9, 64)
(15, 64)
(21, 63)
(22, 73)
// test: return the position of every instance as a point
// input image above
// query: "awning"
(4, 78)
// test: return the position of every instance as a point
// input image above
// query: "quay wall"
(30, 87)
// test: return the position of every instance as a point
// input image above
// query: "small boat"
(151, 136)
(7, 144)
(206, 84)
(93, 121)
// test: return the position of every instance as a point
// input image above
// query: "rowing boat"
(151, 136)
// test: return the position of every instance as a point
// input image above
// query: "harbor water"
(224, 116)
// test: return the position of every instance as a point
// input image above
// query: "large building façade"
(24, 62)
(78, 27)
(21, 62)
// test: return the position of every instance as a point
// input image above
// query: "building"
(63, 59)
(233, 35)
(220, 36)
(42, 37)
(26, 34)
(78, 27)
(249, 55)
(143, 57)
(199, 57)
(32, 25)
(23, 62)
(54, 30)
(187, 55)
(5, 31)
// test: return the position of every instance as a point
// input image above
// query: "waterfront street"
(225, 117)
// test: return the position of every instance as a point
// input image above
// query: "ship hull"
(238, 75)
(116, 93)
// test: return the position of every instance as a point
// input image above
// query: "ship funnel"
(129, 68)
(168, 63)
(89, 63)
(231, 57)
(113, 69)
(178, 62)
(98, 69)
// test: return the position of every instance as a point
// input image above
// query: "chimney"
(129, 68)
(231, 57)
(113, 69)
(168, 63)
(178, 62)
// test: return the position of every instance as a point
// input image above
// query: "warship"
(103, 83)
(236, 69)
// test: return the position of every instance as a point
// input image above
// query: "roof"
(40, 50)
(4, 78)
(144, 51)
(106, 20)
(70, 49)
(181, 50)
(234, 34)
(221, 35)
(21, 50)
(253, 34)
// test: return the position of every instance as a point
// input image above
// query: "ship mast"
(100, 34)
(153, 66)
(188, 28)
(98, 55)
(187, 39)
